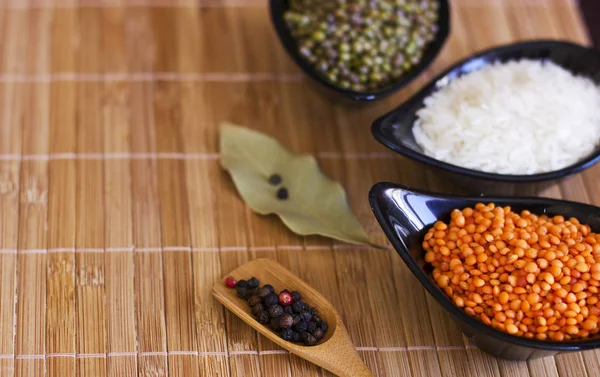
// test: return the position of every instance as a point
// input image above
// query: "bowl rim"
(276, 8)
(378, 124)
(441, 298)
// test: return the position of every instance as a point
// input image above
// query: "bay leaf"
(315, 203)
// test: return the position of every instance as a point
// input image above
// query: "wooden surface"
(116, 219)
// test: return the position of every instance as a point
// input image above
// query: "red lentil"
(527, 275)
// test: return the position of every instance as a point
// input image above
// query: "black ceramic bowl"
(394, 129)
(405, 216)
(278, 7)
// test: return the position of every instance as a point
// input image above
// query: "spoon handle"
(340, 356)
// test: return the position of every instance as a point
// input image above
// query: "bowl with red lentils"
(520, 276)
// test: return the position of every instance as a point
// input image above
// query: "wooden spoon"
(335, 352)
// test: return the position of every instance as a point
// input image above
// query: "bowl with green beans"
(362, 50)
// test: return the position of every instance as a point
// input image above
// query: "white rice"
(519, 117)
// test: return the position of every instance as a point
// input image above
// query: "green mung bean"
(362, 44)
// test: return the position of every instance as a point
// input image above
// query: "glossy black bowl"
(405, 216)
(394, 129)
(277, 9)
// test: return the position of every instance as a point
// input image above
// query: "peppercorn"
(301, 326)
(285, 299)
(282, 193)
(296, 296)
(275, 311)
(297, 319)
(275, 179)
(286, 321)
(286, 334)
(293, 320)
(253, 300)
(310, 340)
(298, 306)
(318, 333)
(362, 45)
(263, 317)
(271, 299)
(230, 282)
(265, 290)
(242, 292)
(306, 315)
(257, 309)
(253, 282)
(275, 323)
(304, 336)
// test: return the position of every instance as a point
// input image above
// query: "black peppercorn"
(282, 193)
(297, 319)
(296, 337)
(275, 179)
(318, 333)
(286, 334)
(306, 315)
(310, 340)
(253, 282)
(304, 336)
(252, 292)
(257, 309)
(286, 321)
(275, 311)
(288, 309)
(263, 317)
(242, 284)
(324, 326)
(297, 306)
(253, 300)
(316, 318)
(296, 296)
(271, 299)
(275, 323)
(265, 290)
(312, 326)
(242, 292)
(301, 326)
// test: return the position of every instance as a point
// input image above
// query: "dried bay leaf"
(315, 203)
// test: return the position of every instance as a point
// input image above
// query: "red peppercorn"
(230, 282)
(285, 299)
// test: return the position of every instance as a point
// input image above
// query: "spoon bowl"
(406, 215)
(394, 129)
(334, 352)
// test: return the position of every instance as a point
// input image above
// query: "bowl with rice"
(511, 119)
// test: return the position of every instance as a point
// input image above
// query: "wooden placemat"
(116, 219)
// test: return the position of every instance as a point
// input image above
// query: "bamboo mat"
(116, 219)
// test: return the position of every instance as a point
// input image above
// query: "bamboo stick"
(11, 103)
(89, 269)
(60, 297)
(148, 274)
(120, 297)
(31, 326)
